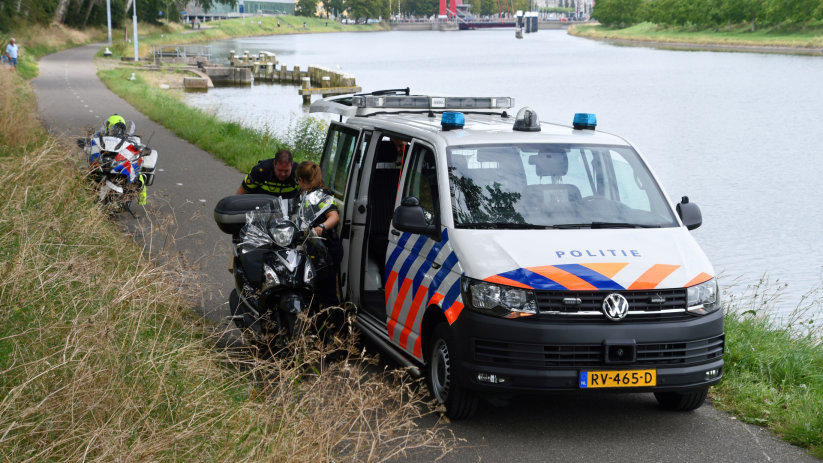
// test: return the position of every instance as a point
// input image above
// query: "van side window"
(337, 157)
(421, 180)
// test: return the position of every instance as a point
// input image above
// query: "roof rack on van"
(399, 100)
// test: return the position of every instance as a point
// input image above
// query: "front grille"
(548, 356)
(644, 306)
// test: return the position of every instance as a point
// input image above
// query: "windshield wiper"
(603, 225)
(501, 225)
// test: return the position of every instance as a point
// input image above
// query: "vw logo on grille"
(615, 307)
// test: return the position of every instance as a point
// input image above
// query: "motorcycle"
(276, 262)
(121, 165)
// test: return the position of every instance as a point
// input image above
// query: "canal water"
(739, 133)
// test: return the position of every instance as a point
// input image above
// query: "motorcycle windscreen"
(256, 233)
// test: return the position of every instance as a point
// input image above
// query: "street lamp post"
(134, 26)
(108, 18)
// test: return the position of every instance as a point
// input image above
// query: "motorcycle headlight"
(704, 298)
(499, 300)
(282, 234)
(308, 272)
(270, 277)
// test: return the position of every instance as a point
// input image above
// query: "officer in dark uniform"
(275, 176)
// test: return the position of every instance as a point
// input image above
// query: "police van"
(497, 254)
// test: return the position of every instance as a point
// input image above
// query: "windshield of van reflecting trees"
(553, 186)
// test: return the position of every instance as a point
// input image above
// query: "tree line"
(86, 13)
(89, 13)
(709, 13)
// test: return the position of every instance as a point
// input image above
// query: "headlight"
(270, 276)
(308, 272)
(499, 300)
(704, 298)
(282, 234)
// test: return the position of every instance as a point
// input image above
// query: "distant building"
(247, 7)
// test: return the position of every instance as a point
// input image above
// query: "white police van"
(501, 255)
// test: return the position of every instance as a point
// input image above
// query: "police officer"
(275, 176)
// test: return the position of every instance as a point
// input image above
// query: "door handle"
(435, 265)
(361, 209)
(395, 232)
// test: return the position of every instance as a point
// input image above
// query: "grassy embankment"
(101, 359)
(773, 374)
(774, 370)
(238, 146)
(733, 36)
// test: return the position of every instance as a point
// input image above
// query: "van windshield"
(553, 186)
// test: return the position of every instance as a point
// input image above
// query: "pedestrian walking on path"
(12, 52)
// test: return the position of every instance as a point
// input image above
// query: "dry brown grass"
(101, 358)
(17, 126)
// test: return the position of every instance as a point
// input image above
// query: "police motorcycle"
(276, 259)
(120, 164)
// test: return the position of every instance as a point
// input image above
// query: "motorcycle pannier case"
(149, 163)
(230, 212)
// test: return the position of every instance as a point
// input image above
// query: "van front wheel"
(681, 401)
(440, 374)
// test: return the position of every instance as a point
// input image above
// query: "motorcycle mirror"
(131, 128)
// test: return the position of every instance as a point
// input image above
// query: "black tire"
(460, 402)
(682, 401)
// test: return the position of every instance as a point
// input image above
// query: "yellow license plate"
(618, 378)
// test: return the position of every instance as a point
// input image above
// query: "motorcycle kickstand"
(128, 208)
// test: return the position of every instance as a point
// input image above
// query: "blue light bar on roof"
(584, 121)
(452, 120)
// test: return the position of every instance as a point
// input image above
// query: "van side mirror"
(689, 213)
(411, 218)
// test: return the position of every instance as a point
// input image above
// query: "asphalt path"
(177, 223)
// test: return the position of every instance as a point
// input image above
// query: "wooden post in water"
(306, 84)
(270, 70)
(296, 76)
(246, 56)
(232, 57)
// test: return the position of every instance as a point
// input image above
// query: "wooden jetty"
(316, 80)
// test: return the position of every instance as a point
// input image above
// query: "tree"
(305, 8)
(617, 13)
(334, 7)
(363, 9)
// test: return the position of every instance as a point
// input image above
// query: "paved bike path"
(562, 428)
(188, 181)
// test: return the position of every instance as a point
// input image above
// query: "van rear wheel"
(681, 401)
(460, 402)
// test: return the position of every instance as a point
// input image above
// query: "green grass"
(734, 35)
(236, 145)
(774, 368)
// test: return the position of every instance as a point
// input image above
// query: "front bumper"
(531, 355)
